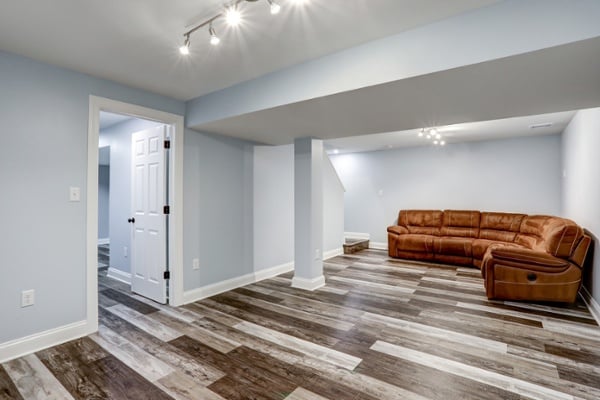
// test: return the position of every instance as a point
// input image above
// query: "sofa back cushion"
(500, 226)
(554, 235)
(424, 222)
(460, 223)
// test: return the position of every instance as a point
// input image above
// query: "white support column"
(308, 214)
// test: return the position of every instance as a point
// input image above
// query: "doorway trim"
(97, 104)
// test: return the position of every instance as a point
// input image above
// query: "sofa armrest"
(528, 257)
(398, 230)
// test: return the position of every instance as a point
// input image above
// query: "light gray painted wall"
(581, 188)
(333, 208)
(118, 137)
(500, 30)
(216, 198)
(513, 175)
(103, 199)
(44, 113)
(273, 206)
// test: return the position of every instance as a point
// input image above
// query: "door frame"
(175, 236)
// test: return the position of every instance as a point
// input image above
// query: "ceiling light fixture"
(185, 49)
(434, 135)
(275, 7)
(232, 15)
(214, 39)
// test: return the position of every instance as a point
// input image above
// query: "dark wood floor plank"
(8, 390)
(129, 301)
(381, 328)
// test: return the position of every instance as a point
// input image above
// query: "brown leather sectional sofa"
(521, 257)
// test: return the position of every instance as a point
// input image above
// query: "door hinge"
(167, 144)
(167, 210)
(167, 275)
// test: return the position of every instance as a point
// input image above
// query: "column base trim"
(308, 284)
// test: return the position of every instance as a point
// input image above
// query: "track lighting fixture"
(232, 15)
(185, 49)
(214, 39)
(275, 7)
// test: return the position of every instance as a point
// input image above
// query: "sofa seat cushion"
(481, 246)
(453, 246)
(415, 243)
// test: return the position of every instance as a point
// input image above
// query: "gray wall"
(118, 137)
(217, 195)
(581, 189)
(44, 113)
(514, 175)
(103, 201)
(333, 208)
(273, 205)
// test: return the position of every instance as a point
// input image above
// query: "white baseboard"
(39, 341)
(378, 245)
(591, 303)
(103, 241)
(356, 235)
(332, 253)
(119, 275)
(308, 284)
(193, 295)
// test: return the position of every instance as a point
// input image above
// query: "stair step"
(354, 245)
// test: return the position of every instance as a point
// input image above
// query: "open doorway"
(132, 225)
(112, 128)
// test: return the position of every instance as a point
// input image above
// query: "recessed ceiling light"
(542, 125)
(335, 151)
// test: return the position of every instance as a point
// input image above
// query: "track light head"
(233, 16)
(214, 39)
(185, 49)
(275, 7)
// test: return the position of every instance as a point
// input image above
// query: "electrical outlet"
(27, 298)
(125, 251)
(317, 254)
(196, 263)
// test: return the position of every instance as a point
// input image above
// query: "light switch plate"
(27, 298)
(74, 194)
(196, 263)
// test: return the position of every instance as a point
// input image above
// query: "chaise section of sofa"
(522, 257)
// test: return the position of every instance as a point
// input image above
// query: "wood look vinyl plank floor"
(380, 328)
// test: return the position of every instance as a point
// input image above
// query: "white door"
(148, 241)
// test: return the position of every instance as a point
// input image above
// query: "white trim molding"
(332, 253)
(52, 337)
(308, 284)
(378, 245)
(119, 275)
(103, 241)
(96, 105)
(591, 303)
(213, 289)
(356, 235)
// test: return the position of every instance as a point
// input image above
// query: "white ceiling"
(555, 79)
(135, 42)
(458, 133)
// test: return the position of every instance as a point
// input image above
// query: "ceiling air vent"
(543, 125)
